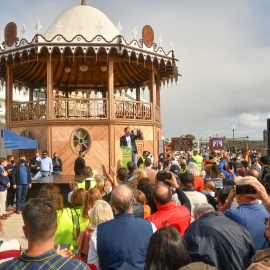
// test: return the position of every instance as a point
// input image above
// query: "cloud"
(223, 49)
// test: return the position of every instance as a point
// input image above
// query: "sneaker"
(14, 205)
(10, 208)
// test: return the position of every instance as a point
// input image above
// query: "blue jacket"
(5, 181)
(220, 242)
(251, 216)
(123, 239)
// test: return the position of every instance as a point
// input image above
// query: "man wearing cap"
(256, 165)
(195, 197)
(250, 214)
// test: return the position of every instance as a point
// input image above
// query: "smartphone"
(226, 190)
(162, 176)
(87, 184)
(230, 165)
(245, 189)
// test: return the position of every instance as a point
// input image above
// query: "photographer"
(250, 214)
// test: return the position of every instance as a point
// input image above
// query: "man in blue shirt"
(250, 214)
(46, 166)
(21, 181)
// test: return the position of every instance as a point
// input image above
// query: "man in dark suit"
(79, 163)
(128, 140)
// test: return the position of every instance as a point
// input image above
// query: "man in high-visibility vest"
(87, 174)
(141, 160)
(198, 159)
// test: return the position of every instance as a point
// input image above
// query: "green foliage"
(188, 136)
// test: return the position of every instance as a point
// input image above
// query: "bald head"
(122, 199)
(162, 194)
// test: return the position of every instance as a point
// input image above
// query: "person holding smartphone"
(250, 214)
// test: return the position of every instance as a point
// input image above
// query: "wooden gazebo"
(83, 53)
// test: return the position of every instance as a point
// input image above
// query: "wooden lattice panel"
(99, 149)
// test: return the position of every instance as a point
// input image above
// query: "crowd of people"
(193, 210)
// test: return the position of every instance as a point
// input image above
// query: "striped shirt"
(48, 260)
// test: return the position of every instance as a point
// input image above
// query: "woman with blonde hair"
(100, 213)
(92, 195)
(198, 180)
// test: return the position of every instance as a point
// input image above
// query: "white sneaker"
(14, 206)
(10, 208)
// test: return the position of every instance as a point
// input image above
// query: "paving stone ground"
(13, 229)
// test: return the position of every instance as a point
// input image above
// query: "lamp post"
(233, 128)
(217, 133)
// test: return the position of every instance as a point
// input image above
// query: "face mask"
(22, 161)
(110, 190)
(83, 156)
(12, 161)
(5, 164)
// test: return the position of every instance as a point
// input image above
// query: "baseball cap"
(239, 180)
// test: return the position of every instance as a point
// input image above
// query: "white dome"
(82, 20)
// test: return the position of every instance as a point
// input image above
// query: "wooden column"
(49, 90)
(138, 93)
(111, 114)
(9, 93)
(158, 92)
(49, 108)
(152, 93)
(31, 93)
(111, 89)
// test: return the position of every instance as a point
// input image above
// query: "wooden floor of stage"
(59, 179)
(62, 181)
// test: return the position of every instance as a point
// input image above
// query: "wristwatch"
(227, 201)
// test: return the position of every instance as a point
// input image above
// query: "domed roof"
(82, 20)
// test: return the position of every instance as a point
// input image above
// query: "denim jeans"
(41, 174)
(21, 193)
(56, 173)
(134, 159)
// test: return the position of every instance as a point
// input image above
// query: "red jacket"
(198, 183)
(171, 215)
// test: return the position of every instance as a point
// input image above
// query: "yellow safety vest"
(83, 222)
(141, 167)
(64, 232)
(199, 161)
(93, 184)
(76, 211)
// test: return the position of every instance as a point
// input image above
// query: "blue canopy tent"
(14, 141)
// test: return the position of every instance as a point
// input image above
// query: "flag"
(246, 156)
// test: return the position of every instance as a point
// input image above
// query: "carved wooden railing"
(84, 109)
(32, 110)
(133, 110)
(158, 115)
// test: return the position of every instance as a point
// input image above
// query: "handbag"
(81, 256)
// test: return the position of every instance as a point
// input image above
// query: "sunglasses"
(266, 220)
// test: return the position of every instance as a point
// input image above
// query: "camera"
(245, 189)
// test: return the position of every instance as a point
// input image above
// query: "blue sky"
(223, 47)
